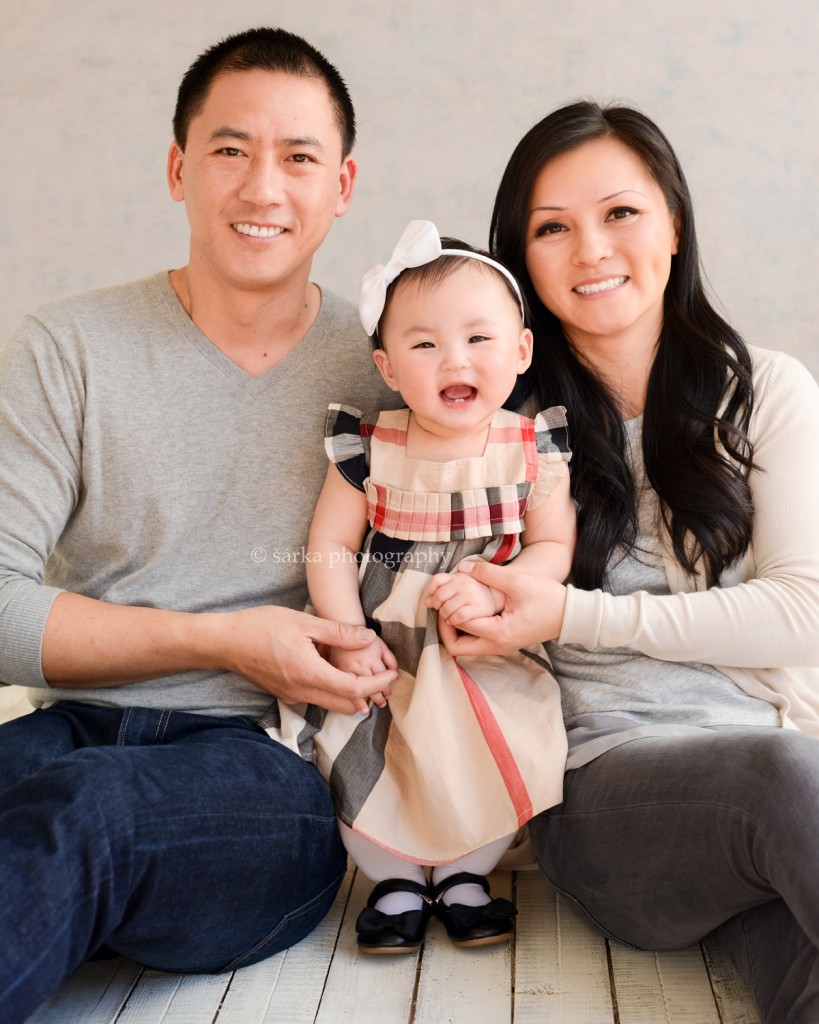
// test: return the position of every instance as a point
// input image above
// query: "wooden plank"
(662, 987)
(364, 988)
(95, 994)
(161, 998)
(465, 986)
(730, 991)
(288, 987)
(557, 970)
(561, 968)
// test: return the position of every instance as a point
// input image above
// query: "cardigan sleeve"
(765, 614)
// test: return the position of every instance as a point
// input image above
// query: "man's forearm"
(88, 643)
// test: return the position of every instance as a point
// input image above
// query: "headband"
(419, 244)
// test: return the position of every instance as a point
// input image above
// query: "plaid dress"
(468, 749)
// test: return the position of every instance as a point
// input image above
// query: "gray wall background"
(443, 89)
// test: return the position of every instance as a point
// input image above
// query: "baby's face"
(454, 349)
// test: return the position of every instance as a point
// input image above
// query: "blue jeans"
(663, 840)
(187, 842)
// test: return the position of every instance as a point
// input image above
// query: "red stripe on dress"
(505, 549)
(498, 748)
(530, 450)
(390, 435)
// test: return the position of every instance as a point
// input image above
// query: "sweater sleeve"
(41, 445)
(766, 614)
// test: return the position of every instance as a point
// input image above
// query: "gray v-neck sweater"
(139, 465)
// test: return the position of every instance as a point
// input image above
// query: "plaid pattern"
(467, 751)
(479, 497)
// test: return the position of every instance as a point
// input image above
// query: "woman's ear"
(676, 240)
(382, 361)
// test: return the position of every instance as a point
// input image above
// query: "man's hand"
(277, 649)
(372, 660)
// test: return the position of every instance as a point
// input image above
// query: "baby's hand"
(368, 661)
(458, 598)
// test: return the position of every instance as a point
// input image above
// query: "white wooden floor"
(557, 969)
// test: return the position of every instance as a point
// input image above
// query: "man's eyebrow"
(226, 132)
(305, 140)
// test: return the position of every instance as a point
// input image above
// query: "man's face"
(262, 177)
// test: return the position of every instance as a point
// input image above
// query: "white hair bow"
(419, 244)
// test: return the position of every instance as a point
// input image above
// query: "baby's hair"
(430, 274)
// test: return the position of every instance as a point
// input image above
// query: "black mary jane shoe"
(474, 926)
(394, 933)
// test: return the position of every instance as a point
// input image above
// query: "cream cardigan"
(761, 625)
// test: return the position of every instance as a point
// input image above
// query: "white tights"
(379, 864)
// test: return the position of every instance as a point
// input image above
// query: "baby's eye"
(477, 337)
(423, 344)
(621, 212)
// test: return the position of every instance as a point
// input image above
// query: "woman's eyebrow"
(605, 199)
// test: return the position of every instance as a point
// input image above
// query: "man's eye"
(230, 151)
(301, 158)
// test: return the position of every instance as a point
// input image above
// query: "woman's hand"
(533, 612)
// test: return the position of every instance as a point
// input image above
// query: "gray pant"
(663, 840)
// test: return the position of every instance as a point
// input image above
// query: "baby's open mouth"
(459, 393)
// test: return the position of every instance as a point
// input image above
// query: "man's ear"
(175, 184)
(349, 170)
(382, 361)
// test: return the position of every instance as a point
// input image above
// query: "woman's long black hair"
(700, 395)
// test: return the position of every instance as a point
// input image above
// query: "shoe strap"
(399, 885)
(461, 878)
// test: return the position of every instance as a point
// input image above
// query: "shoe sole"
(388, 950)
(489, 940)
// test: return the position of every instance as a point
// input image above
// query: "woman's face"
(599, 244)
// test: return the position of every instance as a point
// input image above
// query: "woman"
(687, 643)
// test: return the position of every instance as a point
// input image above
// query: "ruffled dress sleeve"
(553, 453)
(347, 435)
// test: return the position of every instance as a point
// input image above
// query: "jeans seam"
(286, 919)
(124, 730)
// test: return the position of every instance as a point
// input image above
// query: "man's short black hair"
(270, 49)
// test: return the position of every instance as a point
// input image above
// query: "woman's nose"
(591, 245)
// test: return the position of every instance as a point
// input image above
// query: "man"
(161, 455)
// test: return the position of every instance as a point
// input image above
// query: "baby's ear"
(525, 349)
(382, 361)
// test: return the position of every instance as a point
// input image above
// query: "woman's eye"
(551, 227)
(621, 212)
